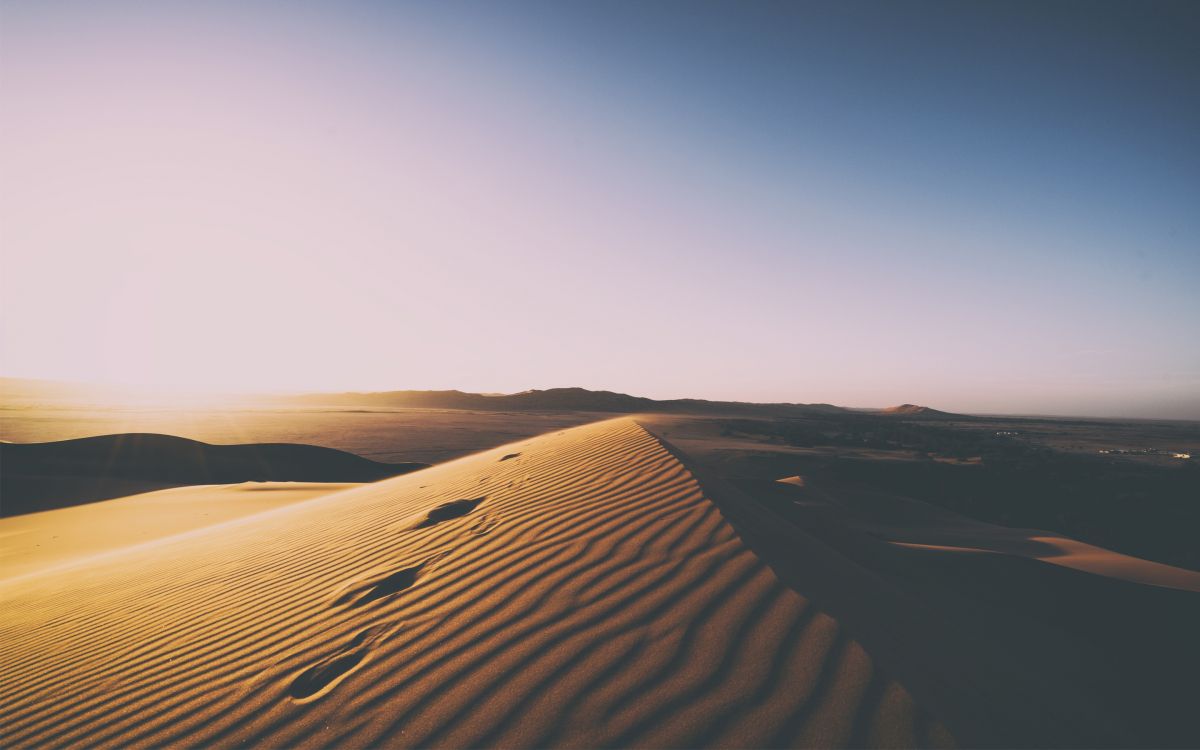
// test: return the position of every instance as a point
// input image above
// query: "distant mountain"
(555, 399)
(35, 474)
(913, 410)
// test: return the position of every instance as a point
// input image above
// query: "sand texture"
(576, 589)
(37, 541)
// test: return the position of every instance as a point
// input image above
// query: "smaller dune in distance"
(42, 476)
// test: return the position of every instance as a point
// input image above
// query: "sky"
(982, 207)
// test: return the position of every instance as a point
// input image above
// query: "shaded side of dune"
(43, 476)
(1008, 651)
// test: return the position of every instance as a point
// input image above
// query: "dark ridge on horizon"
(923, 412)
(33, 391)
(574, 399)
(97, 468)
(571, 398)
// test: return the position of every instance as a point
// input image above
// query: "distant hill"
(39, 393)
(39, 476)
(913, 410)
(555, 399)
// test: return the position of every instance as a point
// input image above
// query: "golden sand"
(584, 592)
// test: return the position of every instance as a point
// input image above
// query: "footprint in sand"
(382, 587)
(448, 511)
(485, 524)
(323, 676)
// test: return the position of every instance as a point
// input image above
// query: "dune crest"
(583, 591)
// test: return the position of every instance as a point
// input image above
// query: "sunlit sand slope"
(35, 541)
(576, 589)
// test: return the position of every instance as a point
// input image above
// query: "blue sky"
(981, 206)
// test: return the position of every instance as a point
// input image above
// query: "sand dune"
(1069, 553)
(35, 541)
(577, 589)
(42, 476)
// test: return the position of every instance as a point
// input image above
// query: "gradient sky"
(981, 207)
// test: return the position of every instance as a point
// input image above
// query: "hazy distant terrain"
(554, 399)
(390, 435)
(1047, 473)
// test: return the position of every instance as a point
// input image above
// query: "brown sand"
(585, 592)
